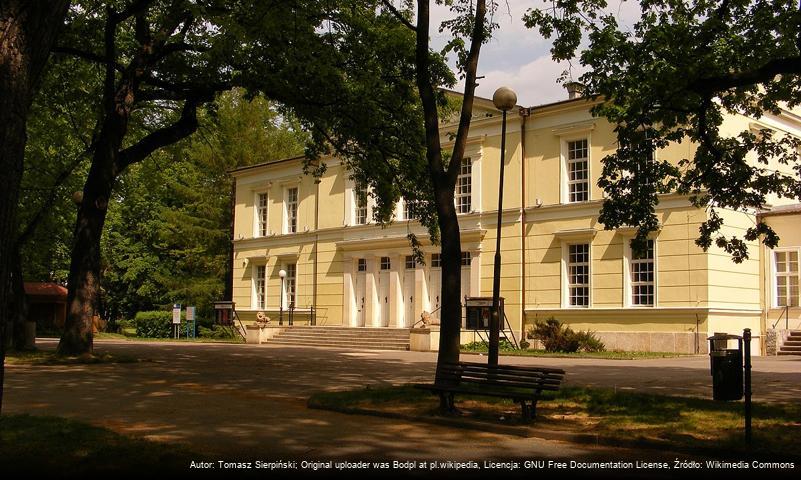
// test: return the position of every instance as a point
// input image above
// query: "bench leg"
(529, 410)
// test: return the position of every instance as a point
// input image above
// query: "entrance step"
(344, 337)
(791, 346)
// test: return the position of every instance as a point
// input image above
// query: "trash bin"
(726, 365)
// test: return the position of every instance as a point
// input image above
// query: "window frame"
(568, 182)
(261, 224)
(464, 181)
(787, 274)
(290, 286)
(569, 285)
(629, 282)
(259, 280)
(291, 213)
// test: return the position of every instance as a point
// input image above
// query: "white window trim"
(283, 285)
(774, 272)
(254, 294)
(287, 187)
(256, 217)
(565, 279)
(472, 187)
(627, 259)
(564, 191)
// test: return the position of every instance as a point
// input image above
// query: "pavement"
(249, 401)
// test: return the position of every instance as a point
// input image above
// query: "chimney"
(574, 89)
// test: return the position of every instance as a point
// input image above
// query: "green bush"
(216, 331)
(153, 324)
(480, 346)
(556, 337)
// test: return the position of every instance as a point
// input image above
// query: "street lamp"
(504, 99)
(282, 274)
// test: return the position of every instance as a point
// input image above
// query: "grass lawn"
(610, 355)
(50, 357)
(58, 446)
(680, 423)
(132, 337)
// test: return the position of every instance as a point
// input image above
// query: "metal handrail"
(786, 315)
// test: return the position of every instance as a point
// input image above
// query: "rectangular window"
(466, 257)
(578, 183)
(260, 283)
(290, 283)
(386, 264)
(361, 265)
(787, 275)
(261, 214)
(410, 263)
(360, 202)
(464, 187)
(292, 210)
(578, 275)
(642, 277)
(408, 211)
(436, 260)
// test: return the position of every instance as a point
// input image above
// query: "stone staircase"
(362, 338)
(792, 346)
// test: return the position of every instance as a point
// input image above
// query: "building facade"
(558, 261)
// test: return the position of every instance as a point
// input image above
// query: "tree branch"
(162, 137)
(90, 56)
(765, 73)
(398, 15)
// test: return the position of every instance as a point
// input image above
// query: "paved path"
(249, 400)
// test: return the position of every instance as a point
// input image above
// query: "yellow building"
(342, 270)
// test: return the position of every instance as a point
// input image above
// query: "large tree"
(162, 61)
(27, 31)
(673, 77)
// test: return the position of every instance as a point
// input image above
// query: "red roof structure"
(45, 292)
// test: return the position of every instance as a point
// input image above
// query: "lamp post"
(282, 274)
(504, 99)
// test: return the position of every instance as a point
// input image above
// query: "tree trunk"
(451, 251)
(18, 303)
(84, 277)
(27, 32)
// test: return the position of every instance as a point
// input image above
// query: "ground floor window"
(786, 277)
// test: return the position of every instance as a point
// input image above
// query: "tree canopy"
(673, 77)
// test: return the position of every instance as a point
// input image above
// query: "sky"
(520, 58)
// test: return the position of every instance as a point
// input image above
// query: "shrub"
(153, 324)
(524, 344)
(557, 337)
(216, 331)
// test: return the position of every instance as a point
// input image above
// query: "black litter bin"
(726, 367)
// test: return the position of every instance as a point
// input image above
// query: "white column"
(420, 291)
(475, 274)
(348, 307)
(371, 310)
(395, 291)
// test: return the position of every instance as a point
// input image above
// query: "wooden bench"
(523, 385)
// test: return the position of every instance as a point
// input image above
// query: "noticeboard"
(176, 314)
(478, 312)
(190, 314)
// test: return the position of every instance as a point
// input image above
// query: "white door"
(465, 289)
(434, 292)
(408, 298)
(359, 291)
(383, 298)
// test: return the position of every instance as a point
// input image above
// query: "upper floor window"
(786, 277)
(642, 276)
(410, 263)
(360, 206)
(436, 260)
(408, 210)
(361, 265)
(464, 187)
(386, 263)
(578, 171)
(466, 258)
(578, 275)
(261, 214)
(291, 210)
